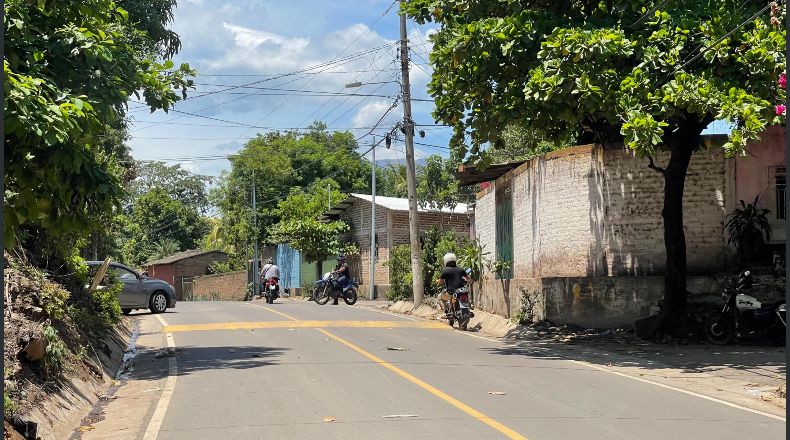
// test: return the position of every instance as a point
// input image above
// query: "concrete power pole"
(372, 294)
(408, 127)
(256, 276)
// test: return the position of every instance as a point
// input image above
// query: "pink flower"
(782, 81)
(780, 109)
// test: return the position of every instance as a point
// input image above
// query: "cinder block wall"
(230, 286)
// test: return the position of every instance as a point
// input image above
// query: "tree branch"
(652, 166)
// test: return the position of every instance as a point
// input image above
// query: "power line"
(648, 13)
(722, 38)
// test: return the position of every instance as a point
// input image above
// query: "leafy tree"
(302, 228)
(182, 185)
(519, 143)
(650, 74)
(70, 68)
(437, 187)
(391, 181)
(159, 223)
(284, 164)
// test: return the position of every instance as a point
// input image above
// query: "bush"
(526, 314)
(399, 265)
(54, 299)
(436, 244)
(98, 311)
(54, 355)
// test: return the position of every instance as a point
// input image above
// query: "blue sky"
(243, 41)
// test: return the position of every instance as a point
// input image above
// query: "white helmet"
(448, 257)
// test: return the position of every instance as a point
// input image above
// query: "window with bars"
(780, 187)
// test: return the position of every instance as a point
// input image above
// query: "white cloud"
(371, 112)
(252, 39)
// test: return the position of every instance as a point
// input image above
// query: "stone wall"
(230, 286)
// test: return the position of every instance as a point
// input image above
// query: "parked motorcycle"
(744, 316)
(271, 290)
(328, 288)
(458, 309)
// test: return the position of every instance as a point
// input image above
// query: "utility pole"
(408, 127)
(257, 279)
(373, 225)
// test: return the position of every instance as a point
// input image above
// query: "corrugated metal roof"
(399, 204)
(178, 256)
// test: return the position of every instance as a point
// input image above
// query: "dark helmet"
(341, 258)
(745, 280)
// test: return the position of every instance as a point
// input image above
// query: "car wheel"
(158, 303)
(126, 311)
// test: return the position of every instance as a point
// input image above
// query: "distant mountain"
(395, 162)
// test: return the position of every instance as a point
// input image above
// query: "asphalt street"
(297, 370)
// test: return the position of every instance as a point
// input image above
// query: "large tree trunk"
(672, 321)
(674, 308)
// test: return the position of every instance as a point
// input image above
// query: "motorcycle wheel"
(323, 296)
(350, 297)
(463, 323)
(719, 329)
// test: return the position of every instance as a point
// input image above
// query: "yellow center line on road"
(509, 433)
(299, 324)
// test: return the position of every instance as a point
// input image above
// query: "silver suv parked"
(139, 291)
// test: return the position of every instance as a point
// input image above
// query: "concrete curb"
(483, 322)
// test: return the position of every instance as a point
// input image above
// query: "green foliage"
(399, 265)
(96, 312)
(54, 299)
(499, 267)
(9, 406)
(70, 68)
(315, 239)
(391, 181)
(437, 187)
(285, 164)
(179, 184)
(519, 143)
(160, 225)
(436, 244)
(472, 256)
(218, 267)
(526, 313)
(589, 67)
(164, 247)
(749, 229)
(54, 355)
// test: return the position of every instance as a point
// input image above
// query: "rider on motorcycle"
(270, 271)
(452, 277)
(343, 273)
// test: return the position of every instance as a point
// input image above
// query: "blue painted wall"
(289, 261)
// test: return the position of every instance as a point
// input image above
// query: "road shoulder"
(691, 369)
(126, 412)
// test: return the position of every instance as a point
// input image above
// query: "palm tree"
(165, 247)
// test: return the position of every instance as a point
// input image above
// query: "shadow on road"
(752, 364)
(152, 365)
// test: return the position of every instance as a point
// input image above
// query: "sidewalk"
(749, 376)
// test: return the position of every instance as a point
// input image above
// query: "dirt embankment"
(53, 373)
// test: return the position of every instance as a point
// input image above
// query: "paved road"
(257, 371)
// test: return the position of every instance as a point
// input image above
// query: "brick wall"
(230, 286)
(194, 267)
(590, 211)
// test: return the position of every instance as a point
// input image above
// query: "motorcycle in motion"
(744, 316)
(328, 288)
(271, 290)
(458, 309)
